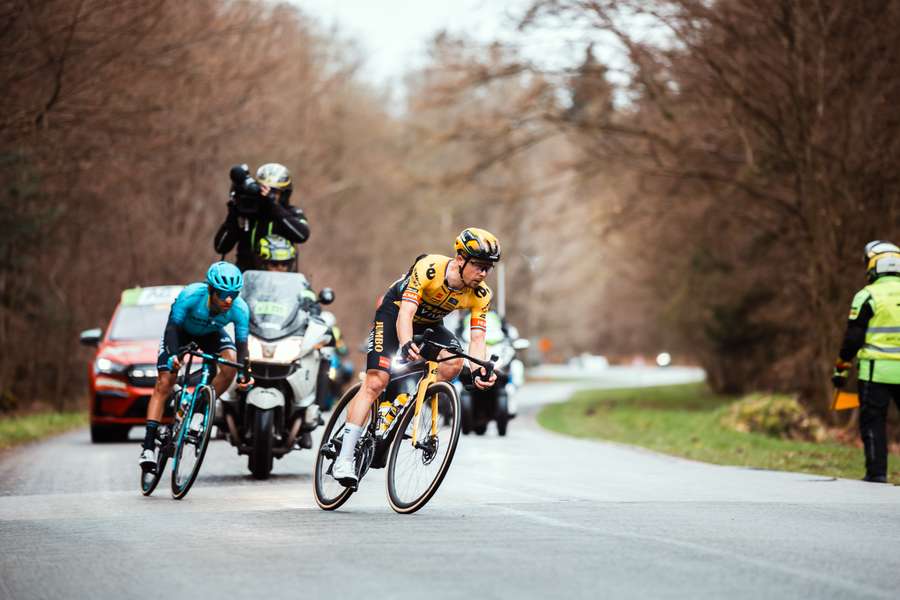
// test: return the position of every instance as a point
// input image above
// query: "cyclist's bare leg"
(449, 369)
(372, 386)
(225, 375)
(165, 381)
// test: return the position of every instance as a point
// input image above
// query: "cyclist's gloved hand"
(245, 385)
(174, 363)
(841, 373)
(482, 383)
(410, 351)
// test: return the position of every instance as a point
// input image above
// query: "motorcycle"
(480, 407)
(289, 362)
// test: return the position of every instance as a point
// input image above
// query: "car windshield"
(279, 303)
(139, 322)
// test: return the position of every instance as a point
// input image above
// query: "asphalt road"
(532, 515)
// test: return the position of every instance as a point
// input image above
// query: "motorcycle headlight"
(108, 367)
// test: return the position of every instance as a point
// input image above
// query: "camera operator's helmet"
(277, 177)
(479, 244)
(882, 258)
(275, 249)
(225, 278)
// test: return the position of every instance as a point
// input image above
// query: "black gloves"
(841, 373)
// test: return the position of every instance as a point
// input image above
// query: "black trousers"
(874, 399)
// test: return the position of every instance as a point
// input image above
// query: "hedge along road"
(532, 515)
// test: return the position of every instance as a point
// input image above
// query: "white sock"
(351, 436)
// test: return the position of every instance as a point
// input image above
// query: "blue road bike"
(188, 437)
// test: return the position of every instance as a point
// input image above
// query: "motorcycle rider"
(199, 314)
(873, 336)
(433, 287)
(276, 254)
(256, 208)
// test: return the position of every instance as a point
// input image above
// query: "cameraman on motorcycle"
(257, 208)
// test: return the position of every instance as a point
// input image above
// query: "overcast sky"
(394, 34)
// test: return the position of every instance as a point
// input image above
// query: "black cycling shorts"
(383, 343)
(211, 343)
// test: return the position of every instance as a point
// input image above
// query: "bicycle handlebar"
(192, 349)
(423, 339)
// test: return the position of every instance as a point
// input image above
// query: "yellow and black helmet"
(479, 244)
(277, 177)
(882, 258)
(274, 248)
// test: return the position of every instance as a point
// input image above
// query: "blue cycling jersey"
(190, 311)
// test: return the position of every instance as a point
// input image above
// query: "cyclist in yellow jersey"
(434, 286)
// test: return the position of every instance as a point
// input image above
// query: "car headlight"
(141, 371)
(108, 367)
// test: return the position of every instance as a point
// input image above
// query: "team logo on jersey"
(481, 292)
(378, 338)
(384, 362)
(453, 301)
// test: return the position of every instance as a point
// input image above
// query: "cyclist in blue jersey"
(199, 314)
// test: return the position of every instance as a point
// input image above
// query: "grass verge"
(685, 420)
(25, 428)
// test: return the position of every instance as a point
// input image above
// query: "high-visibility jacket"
(879, 358)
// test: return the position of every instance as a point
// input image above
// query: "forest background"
(710, 194)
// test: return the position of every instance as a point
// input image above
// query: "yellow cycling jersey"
(426, 286)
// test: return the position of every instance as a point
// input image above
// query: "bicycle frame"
(208, 360)
(430, 376)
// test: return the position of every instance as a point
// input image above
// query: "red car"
(122, 375)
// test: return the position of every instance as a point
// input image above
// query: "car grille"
(263, 370)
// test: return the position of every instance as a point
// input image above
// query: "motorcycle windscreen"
(279, 303)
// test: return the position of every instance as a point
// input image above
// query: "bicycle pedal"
(328, 451)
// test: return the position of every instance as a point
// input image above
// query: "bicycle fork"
(430, 377)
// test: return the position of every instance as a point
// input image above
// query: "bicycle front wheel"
(192, 441)
(415, 472)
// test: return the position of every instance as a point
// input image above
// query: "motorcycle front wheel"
(260, 460)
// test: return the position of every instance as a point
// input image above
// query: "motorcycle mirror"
(90, 337)
(521, 344)
(326, 296)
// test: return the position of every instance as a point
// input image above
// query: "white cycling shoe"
(345, 472)
(148, 460)
(196, 423)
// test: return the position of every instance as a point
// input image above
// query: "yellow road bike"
(417, 447)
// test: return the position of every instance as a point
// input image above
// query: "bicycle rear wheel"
(191, 444)
(328, 492)
(415, 472)
(149, 479)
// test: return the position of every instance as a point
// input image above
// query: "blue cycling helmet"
(225, 277)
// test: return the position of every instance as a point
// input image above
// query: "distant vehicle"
(590, 362)
(498, 404)
(123, 372)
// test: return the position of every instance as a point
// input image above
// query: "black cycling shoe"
(875, 479)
